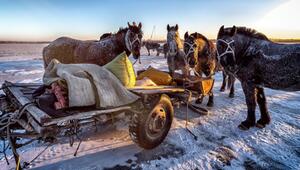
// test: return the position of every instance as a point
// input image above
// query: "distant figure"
(152, 46)
(105, 35)
(258, 62)
(165, 49)
(68, 50)
(175, 55)
(201, 55)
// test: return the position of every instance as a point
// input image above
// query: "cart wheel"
(149, 129)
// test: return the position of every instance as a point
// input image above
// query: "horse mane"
(198, 35)
(248, 32)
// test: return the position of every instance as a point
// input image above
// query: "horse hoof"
(222, 89)
(210, 104)
(245, 125)
(231, 95)
(262, 123)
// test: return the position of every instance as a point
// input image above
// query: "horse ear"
(128, 24)
(140, 25)
(221, 30)
(233, 30)
(176, 27)
(168, 27)
(186, 35)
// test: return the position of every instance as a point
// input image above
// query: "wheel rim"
(156, 121)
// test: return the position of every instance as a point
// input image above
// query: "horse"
(175, 55)
(105, 35)
(68, 50)
(165, 49)
(201, 56)
(152, 46)
(257, 62)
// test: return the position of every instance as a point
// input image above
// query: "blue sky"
(49, 19)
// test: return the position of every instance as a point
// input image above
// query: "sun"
(282, 22)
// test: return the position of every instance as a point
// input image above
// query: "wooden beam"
(40, 116)
(84, 115)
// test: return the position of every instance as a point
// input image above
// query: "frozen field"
(220, 144)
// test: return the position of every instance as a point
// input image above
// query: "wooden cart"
(151, 116)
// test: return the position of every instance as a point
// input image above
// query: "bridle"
(191, 48)
(129, 43)
(229, 49)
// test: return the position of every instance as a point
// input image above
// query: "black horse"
(258, 62)
(201, 56)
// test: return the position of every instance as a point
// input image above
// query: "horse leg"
(249, 91)
(262, 103)
(210, 102)
(231, 78)
(224, 81)
(148, 51)
(157, 54)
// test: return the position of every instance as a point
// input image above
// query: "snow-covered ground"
(220, 144)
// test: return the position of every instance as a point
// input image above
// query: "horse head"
(226, 49)
(173, 40)
(197, 49)
(133, 39)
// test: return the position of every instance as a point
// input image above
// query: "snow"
(220, 144)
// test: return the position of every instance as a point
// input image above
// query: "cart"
(151, 117)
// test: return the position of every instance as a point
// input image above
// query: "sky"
(46, 20)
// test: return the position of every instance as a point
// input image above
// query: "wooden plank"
(159, 91)
(85, 115)
(38, 114)
(156, 89)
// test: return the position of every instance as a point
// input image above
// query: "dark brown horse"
(201, 56)
(105, 35)
(258, 62)
(68, 50)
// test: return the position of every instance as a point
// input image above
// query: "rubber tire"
(138, 125)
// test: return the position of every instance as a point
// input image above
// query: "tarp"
(89, 84)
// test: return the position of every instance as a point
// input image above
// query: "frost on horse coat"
(258, 62)
(68, 50)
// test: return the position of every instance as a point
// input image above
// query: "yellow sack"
(122, 68)
(157, 76)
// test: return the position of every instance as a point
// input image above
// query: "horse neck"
(119, 41)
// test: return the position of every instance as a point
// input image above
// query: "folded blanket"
(89, 84)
